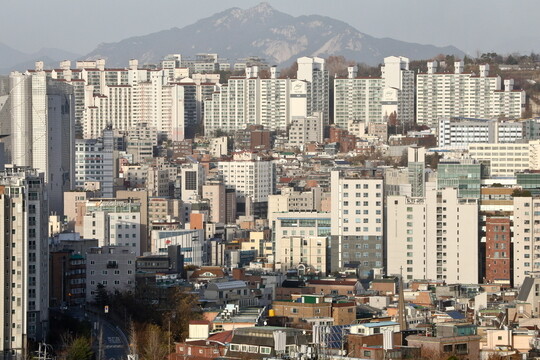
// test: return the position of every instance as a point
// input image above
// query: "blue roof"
(455, 315)
(380, 323)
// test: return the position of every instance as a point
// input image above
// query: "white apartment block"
(445, 95)
(507, 159)
(111, 266)
(434, 237)
(526, 238)
(460, 132)
(113, 223)
(313, 71)
(357, 99)
(304, 130)
(41, 131)
(357, 208)
(24, 285)
(398, 90)
(373, 100)
(271, 102)
(253, 178)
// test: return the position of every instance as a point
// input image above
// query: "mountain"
(12, 59)
(265, 32)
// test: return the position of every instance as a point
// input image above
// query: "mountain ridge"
(265, 32)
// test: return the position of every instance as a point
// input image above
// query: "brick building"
(498, 250)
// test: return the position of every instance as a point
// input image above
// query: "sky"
(474, 26)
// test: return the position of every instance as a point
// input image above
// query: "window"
(263, 350)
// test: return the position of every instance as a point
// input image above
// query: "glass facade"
(464, 177)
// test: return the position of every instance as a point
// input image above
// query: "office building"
(463, 175)
(433, 237)
(507, 159)
(460, 132)
(357, 220)
(498, 268)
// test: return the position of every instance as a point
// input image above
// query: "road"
(115, 343)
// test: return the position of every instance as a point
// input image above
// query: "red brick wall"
(498, 251)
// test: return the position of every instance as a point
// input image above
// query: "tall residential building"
(357, 219)
(271, 102)
(357, 99)
(398, 91)
(444, 95)
(42, 131)
(24, 284)
(433, 237)
(376, 100)
(313, 70)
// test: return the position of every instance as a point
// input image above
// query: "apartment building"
(357, 221)
(111, 266)
(304, 130)
(24, 286)
(251, 177)
(41, 129)
(314, 72)
(375, 100)
(433, 237)
(271, 102)
(95, 163)
(444, 95)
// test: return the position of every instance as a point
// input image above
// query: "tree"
(521, 193)
(154, 343)
(79, 349)
(102, 296)
(183, 308)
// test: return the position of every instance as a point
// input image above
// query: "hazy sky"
(471, 25)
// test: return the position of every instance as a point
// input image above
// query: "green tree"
(183, 308)
(79, 349)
